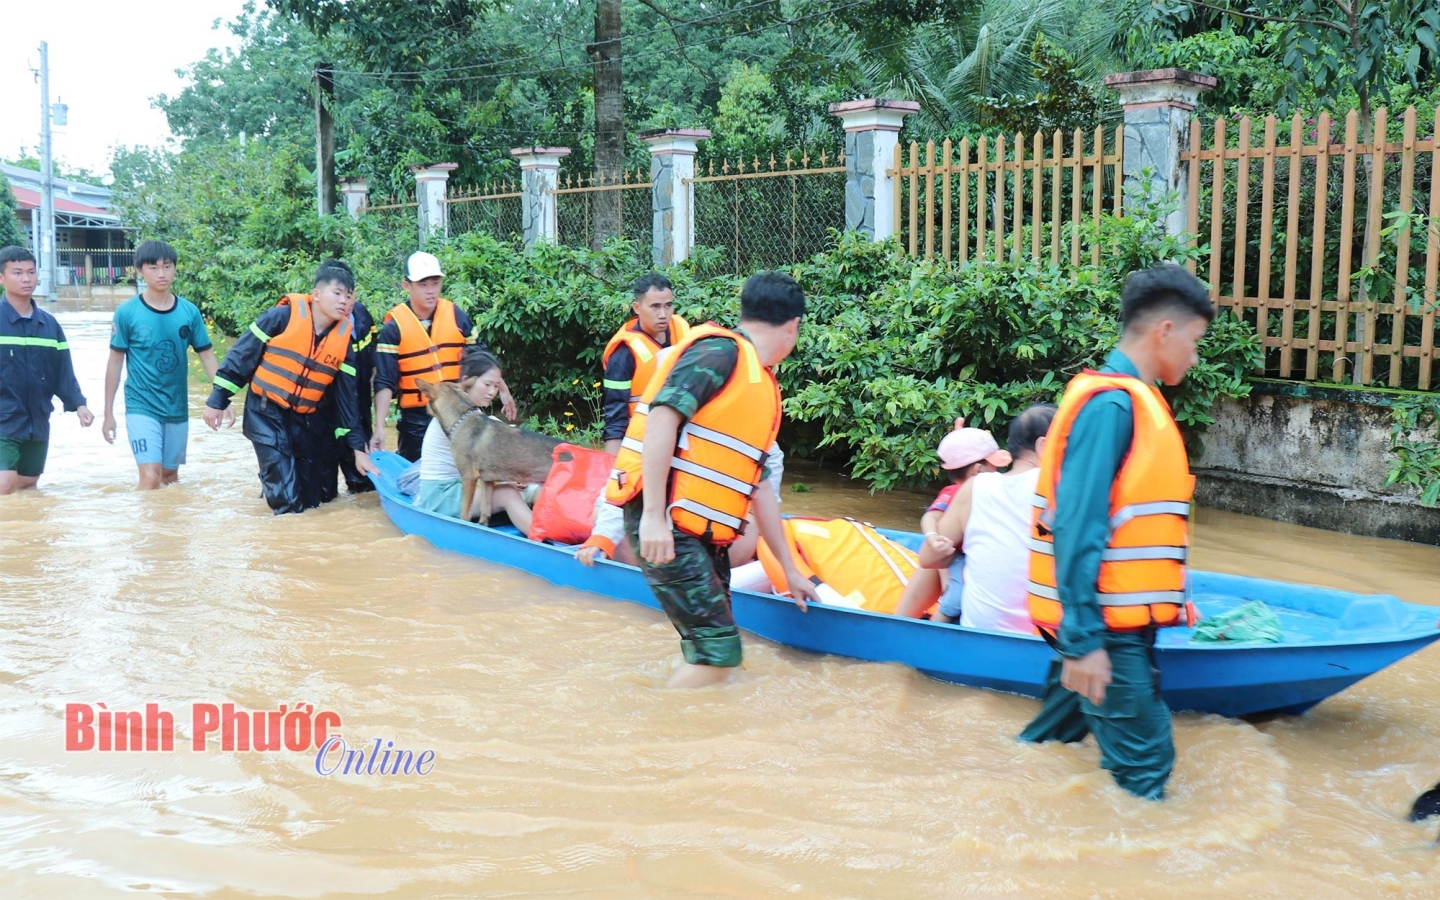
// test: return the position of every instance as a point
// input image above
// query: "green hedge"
(892, 351)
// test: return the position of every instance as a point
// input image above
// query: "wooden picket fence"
(964, 215)
(1309, 304)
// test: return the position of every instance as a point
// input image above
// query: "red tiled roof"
(31, 200)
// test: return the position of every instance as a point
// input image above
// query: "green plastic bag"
(1252, 622)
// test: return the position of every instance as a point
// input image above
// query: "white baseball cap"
(966, 446)
(422, 265)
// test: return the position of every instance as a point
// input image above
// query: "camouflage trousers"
(694, 591)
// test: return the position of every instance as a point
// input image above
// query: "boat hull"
(1228, 679)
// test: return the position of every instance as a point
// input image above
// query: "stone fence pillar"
(430, 197)
(672, 164)
(539, 169)
(872, 129)
(356, 194)
(1158, 104)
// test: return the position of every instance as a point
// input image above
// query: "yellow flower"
(569, 413)
(576, 381)
(569, 427)
(596, 384)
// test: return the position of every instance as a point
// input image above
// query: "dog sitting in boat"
(486, 450)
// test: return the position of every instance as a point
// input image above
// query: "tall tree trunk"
(609, 120)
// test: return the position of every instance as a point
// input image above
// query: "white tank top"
(997, 552)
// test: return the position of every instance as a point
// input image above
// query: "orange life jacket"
(1142, 569)
(645, 349)
(433, 355)
(717, 462)
(297, 365)
(849, 556)
(565, 510)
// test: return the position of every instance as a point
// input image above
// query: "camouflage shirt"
(699, 374)
(701, 371)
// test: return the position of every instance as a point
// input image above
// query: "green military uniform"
(1132, 726)
(694, 587)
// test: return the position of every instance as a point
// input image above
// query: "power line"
(420, 74)
(381, 76)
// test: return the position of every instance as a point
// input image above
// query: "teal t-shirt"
(154, 342)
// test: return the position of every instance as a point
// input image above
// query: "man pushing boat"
(1109, 535)
(689, 464)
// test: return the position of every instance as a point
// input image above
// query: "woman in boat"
(481, 378)
(989, 521)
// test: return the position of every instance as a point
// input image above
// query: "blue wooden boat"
(1332, 638)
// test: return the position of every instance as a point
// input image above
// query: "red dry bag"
(565, 510)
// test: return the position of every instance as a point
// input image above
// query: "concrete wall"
(1310, 456)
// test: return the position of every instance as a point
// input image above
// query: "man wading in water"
(1110, 531)
(687, 469)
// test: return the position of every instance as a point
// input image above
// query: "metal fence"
(994, 199)
(580, 202)
(1340, 280)
(766, 214)
(397, 215)
(493, 209)
(95, 265)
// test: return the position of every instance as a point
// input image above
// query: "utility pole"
(44, 230)
(324, 139)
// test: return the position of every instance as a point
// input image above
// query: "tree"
(260, 89)
(951, 68)
(609, 118)
(1342, 48)
(10, 231)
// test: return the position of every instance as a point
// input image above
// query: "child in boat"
(440, 488)
(989, 521)
(964, 453)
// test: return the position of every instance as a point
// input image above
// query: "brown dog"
(486, 450)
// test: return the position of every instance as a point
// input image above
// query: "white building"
(85, 225)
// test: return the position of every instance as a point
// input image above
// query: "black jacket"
(35, 368)
(244, 358)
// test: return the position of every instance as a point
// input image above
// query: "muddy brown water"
(561, 768)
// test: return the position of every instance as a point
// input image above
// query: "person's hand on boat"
(377, 438)
(801, 588)
(657, 541)
(363, 465)
(1087, 676)
(587, 555)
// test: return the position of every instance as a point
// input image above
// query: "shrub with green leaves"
(892, 349)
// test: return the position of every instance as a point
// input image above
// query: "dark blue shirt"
(35, 368)
(1097, 446)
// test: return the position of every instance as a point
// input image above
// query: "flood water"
(563, 769)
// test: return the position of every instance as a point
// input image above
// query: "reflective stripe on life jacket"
(646, 351)
(854, 559)
(297, 366)
(1142, 569)
(717, 460)
(433, 355)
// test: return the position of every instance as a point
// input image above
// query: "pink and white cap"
(965, 446)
